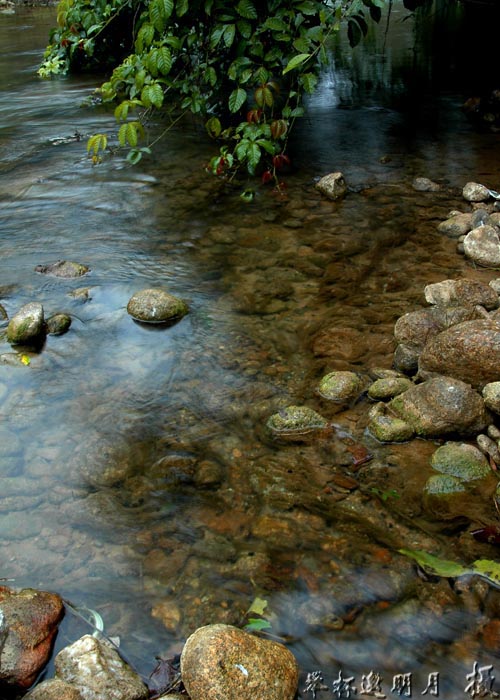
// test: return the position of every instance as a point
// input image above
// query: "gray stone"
(332, 186)
(474, 192)
(482, 246)
(95, 668)
(57, 324)
(63, 268)
(423, 184)
(462, 460)
(54, 689)
(221, 662)
(462, 292)
(406, 358)
(27, 325)
(491, 396)
(156, 306)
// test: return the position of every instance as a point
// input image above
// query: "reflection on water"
(137, 477)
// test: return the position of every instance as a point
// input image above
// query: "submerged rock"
(28, 624)
(459, 459)
(340, 386)
(295, 422)
(27, 325)
(156, 306)
(63, 268)
(97, 671)
(388, 387)
(221, 662)
(456, 225)
(386, 427)
(423, 184)
(442, 406)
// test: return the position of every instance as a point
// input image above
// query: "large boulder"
(27, 325)
(461, 292)
(97, 671)
(156, 306)
(442, 406)
(28, 624)
(469, 351)
(221, 662)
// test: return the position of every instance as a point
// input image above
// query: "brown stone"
(469, 351)
(221, 662)
(29, 622)
(54, 689)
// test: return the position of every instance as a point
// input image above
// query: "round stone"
(340, 386)
(156, 306)
(26, 325)
(466, 462)
(295, 422)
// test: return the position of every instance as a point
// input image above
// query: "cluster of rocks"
(217, 661)
(477, 230)
(29, 326)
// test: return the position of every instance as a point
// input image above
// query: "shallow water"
(138, 478)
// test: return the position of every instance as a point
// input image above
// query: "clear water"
(137, 476)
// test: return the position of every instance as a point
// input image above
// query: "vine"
(243, 67)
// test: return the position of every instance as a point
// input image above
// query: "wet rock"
(442, 406)
(489, 447)
(221, 662)
(479, 218)
(82, 294)
(406, 358)
(27, 325)
(474, 192)
(482, 246)
(445, 497)
(491, 396)
(469, 351)
(415, 328)
(423, 184)
(57, 324)
(28, 624)
(332, 186)
(340, 386)
(156, 306)
(388, 387)
(295, 422)
(3, 313)
(96, 669)
(462, 292)
(168, 612)
(54, 689)
(462, 460)
(342, 344)
(456, 225)
(63, 268)
(386, 427)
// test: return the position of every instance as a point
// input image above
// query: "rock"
(423, 184)
(406, 358)
(387, 427)
(491, 396)
(415, 328)
(469, 351)
(388, 388)
(479, 218)
(343, 344)
(295, 422)
(443, 485)
(28, 624)
(221, 662)
(54, 689)
(462, 460)
(445, 497)
(474, 192)
(332, 186)
(57, 324)
(3, 313)
(156, 306)
(63, 268)
(462, 292)
(27, 325)
(489, 447)
(455, 226)
(340, 386)
(482, 246)
(97, 671)
(442, 406)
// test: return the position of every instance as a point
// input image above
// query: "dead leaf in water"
(485, 568)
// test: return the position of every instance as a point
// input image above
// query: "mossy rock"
(387, 388)
(461, 460)
(387, 428)
(295, 422)
(445, 497)
(156, 306)
(63, 268)
(340, 386)
(27, 325)
(57, 324)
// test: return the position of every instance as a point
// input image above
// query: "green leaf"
(229, 34)
(145, 37)
(237, 99)
(244, 28)
(309, 81)
(129, 133)
(96, 143)
(164, 60)
(181, 7)
(254, 624)
(213, 127)
(275, 24)
(296, 61)
(258, 606)
(152, 95)
(246, 9)
(485, 568)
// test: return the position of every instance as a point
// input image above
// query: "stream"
(137, 476)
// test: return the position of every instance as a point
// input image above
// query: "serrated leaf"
(309, 81)
(181, 7)
(145, 37)
(237, 99)
(244, 28)
(258, 606)
(296, 61)
(152, 95)
(246, 9)
(485, 568)
(128, 133)
(96, 143)
(275, 24)
(164, 60)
